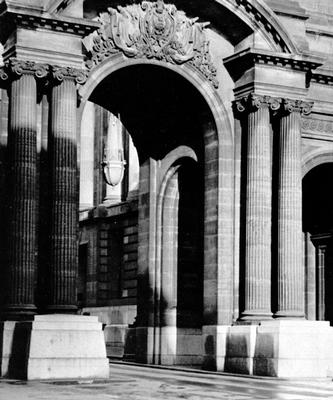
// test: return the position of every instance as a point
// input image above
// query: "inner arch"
(159, 108)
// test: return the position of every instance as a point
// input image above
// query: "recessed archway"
(318, 228)
(162, 111)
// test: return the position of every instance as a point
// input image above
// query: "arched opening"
(318, 229)
(164, 113)
(181, 247)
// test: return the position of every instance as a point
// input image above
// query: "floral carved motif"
(154, 31)
(317, 125)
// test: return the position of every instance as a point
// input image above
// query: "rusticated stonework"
(154, 31)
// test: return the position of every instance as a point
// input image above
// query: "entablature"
(269, 73)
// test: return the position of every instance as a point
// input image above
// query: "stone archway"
(318, 231)
(182, 120)
(179, 264)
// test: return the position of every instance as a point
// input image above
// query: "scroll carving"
(303, 107)
(154, 31)
(60, 73)
(17, 68)
(253, 102)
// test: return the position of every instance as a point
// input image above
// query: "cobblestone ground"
(129, 382)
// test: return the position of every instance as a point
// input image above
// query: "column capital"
(253, 102)
(60, 73)
(300, 106)
(3, 74)
(16, 68)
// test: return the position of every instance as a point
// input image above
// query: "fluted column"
(290, 247)
(22, 188)
(258, 206)
(64, 191)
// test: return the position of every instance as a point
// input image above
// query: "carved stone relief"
(153, 31)
(317, 125)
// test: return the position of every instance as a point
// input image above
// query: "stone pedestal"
(290, 348)
(57, 347)
(281, 348)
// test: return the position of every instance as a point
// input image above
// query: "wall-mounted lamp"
(113, 169)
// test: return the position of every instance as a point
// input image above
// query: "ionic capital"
(16, 68)
(302, 107)
(3, 74)
(253, 102)
(59, 74)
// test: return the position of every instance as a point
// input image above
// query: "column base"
(289, 315)
(255, 315)
(55, 347)
(281, 348)
(17, 312)
(61, 309)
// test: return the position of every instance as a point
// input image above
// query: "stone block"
(214, 339)
(115, 340)
(240, 349)
(288, 348)
(168, 345)
(58, 347)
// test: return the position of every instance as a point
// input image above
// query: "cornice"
(240, 62)
(322, 78)
(266, 17)
(13, 17)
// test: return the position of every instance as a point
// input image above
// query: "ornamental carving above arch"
(151, 30)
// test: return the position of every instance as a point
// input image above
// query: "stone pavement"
(131, 382)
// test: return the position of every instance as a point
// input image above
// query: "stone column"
(290, 242)
(321, 255)
(258, 212)
(22, 188)
(64, 190)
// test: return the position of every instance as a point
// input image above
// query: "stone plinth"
(291, 348)
(281, 348)
(58, 347)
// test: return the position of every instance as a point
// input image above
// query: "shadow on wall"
(239, 349)
(14, 347)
